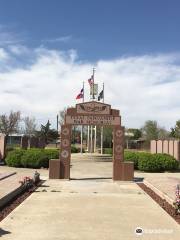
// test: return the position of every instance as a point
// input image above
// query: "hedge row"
(37, 158)
(31, 158)
(149, 162)
(152, 162)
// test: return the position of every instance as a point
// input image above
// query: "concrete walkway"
(94, 207)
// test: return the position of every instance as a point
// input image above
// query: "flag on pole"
(101, 95)
(90, 80)
(81, 94)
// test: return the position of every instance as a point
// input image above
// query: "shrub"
(9, 149)
(34, 158)
(132, 157)
(148, 163)
(107, 151)
(156, 162)
(167, 161)
(13, 158)
(74, 149)
(52, 153)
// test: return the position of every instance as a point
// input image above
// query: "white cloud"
(3, 55)
(18, 49)
(63, 39)
(142, 87)
(8, 37)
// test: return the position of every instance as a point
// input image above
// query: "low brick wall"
(171, 147)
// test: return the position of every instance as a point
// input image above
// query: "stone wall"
(2, 146)
(171, 147)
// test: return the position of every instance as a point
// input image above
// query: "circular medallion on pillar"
(64, 154)
(119, 149)
(65, 131)
(65, 142)
(119, 133)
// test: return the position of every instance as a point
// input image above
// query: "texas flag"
(81, 94)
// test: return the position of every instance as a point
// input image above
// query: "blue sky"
(49, 47)
(97, 29)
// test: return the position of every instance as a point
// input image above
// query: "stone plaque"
(92, 120)
(93, 108)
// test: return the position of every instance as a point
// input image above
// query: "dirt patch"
(162, 202)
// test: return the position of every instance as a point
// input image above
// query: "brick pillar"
(65, 151)
(2, 146)
(176, 150)
(166, 146)
(121, 170)
(159, 146)
(153, 146)
(171, 147)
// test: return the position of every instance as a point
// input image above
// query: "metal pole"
(88, 140)
(57, 120)
(91, 139)
(102, 140)
(102, 128)
(81, 139)
(82, 125)
(103, 92)
(93, 82)
(95, 136)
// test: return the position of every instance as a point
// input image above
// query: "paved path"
(96, 208)
(165, 182)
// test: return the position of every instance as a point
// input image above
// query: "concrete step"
(91, 157)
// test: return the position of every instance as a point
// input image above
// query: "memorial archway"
(92, 113)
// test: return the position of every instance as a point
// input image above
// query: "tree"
(150, 130)
(172, 133)
(175, 132)
(30, 125)
(137, 133)
(47, 133)
(107, 137)
(62, 116)
(10, 123)
(162, 133)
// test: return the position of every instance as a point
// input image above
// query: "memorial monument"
(93, 114)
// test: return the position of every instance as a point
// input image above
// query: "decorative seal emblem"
(65, 131)
(92, 107)
(119, 133)
(119, 149)
(65, 142)
(64, 153)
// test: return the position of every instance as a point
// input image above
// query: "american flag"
(90, 80)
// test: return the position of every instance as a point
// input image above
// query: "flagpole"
(102, 129)
(82, 125)
(88, 139)
(91, 139)
(95, 136)
(93, 82)
(103, 92)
